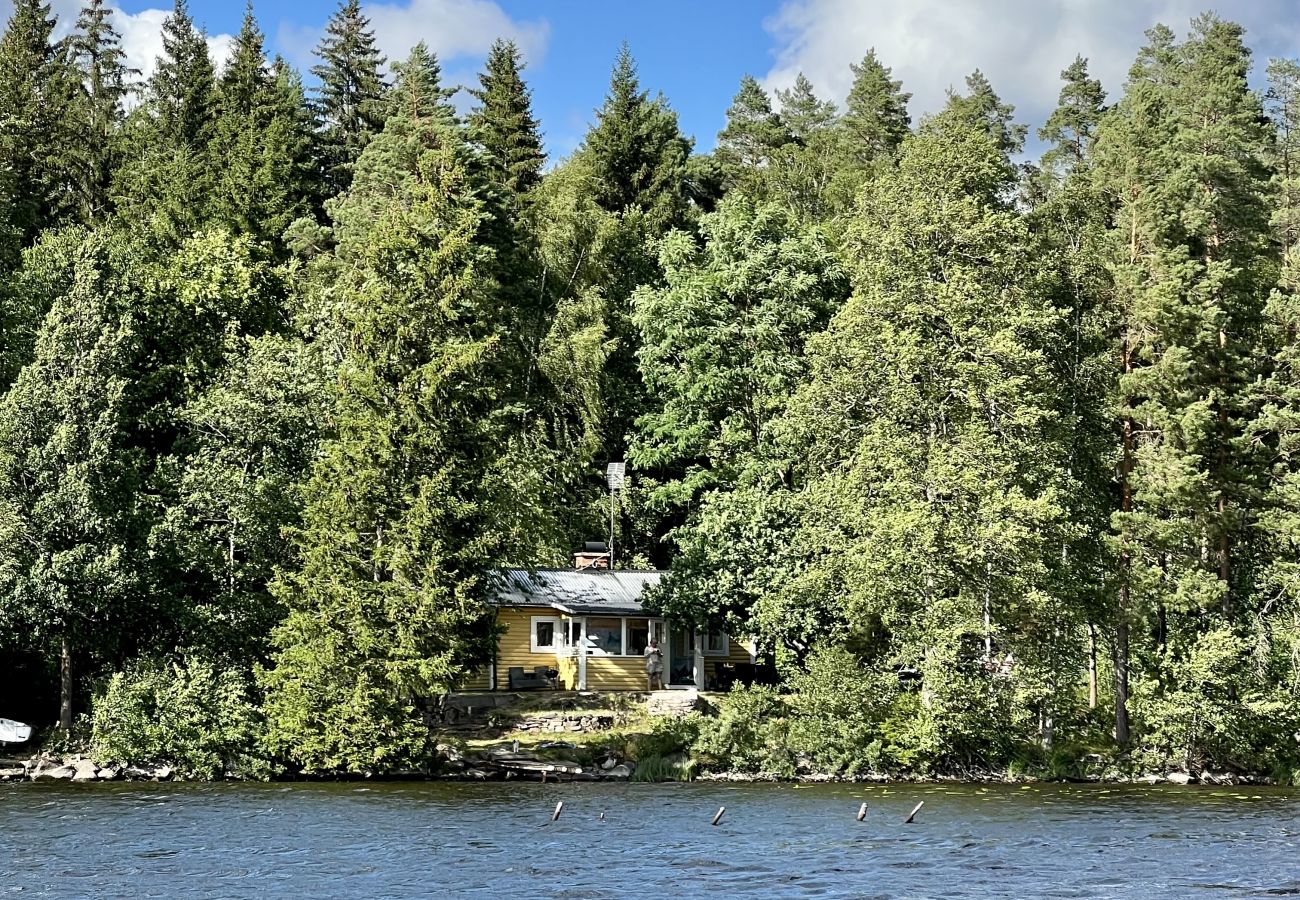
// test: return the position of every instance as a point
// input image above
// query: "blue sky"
(695, 52)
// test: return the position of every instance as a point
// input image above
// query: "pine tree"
(981, 106)
(805, 167)
(754, 134)
(1071, 221)
(1182, 154)
(349, 105)
(97, 53)
(1071, 127)
(802, 111)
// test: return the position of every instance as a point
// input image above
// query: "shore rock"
(620, 771)
(84, 770)
(1178, 778)
(55, 773)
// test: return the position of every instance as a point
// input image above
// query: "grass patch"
(659, 768)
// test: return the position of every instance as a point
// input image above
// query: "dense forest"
(998, 460)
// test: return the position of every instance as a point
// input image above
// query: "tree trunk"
(1121, 676)
(1125, 563)
(1092, 666)
(65, 684)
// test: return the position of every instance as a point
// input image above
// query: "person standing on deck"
(654, 667)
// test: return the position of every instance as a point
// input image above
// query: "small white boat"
(12, 732)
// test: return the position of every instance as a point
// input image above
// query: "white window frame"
(557, 634)
(593, 650)
(726, 644)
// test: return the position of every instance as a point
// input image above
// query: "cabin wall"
(514, 643)
(615, 673)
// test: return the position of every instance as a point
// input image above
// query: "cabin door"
(681, 658)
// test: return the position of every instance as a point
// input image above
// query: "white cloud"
(1021, 45)
(453, 29)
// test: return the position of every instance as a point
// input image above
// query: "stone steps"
(674, 704)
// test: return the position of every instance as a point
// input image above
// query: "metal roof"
(576, 592)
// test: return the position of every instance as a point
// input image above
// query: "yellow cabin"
(584, 629)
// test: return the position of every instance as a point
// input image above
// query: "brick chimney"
(593, 555)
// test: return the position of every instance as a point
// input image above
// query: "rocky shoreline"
(506, 764)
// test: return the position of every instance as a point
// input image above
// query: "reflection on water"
(497, 840)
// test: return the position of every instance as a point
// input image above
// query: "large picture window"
(605, 637)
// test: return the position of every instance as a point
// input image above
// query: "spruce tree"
(97, 54)
(35, 89)
(384, 607)
(164, 184)
(181, 92)
(503, 125)
(635, 151)
(260, 148)
(875, 119)
(349, 103)
(868, 135)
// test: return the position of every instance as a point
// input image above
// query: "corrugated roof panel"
(586, 591)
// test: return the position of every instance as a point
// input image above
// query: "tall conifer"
(349, 103)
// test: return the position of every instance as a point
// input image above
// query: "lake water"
(655, 842)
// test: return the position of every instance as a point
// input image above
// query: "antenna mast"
(615, 477)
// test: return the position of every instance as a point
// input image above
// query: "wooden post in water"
(912, 815)
(558, 807)
(862, 812)
(718, 817)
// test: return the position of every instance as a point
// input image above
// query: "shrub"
(667, 737)
(749, 734)
(189, 714)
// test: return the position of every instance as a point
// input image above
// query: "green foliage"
(954, 438)
(193, 714)
(667, 737)
(748, 735)
(349, 105)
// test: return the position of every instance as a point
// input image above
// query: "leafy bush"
(667, 737)
(1216, 711)
(191, 715)
(749, 734)
(838, 709)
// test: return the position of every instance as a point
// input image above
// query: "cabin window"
(715, 643)
(638, 636)
(605, 637)
(545, 632)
